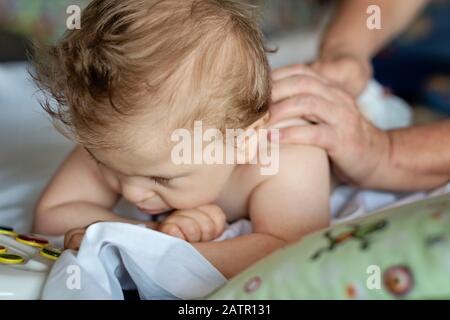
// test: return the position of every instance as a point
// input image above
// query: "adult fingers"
(293, 69)
(349, 72)
(307, 106)
(321, 136)
(300, 84)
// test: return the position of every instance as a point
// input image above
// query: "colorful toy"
(25, 262)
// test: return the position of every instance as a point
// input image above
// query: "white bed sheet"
(30, 149)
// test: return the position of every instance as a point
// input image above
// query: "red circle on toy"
(32, 240)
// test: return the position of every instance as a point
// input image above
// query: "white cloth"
(348, 203)
(115, 255)
(384, 110)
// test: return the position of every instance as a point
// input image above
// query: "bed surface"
(30, 149)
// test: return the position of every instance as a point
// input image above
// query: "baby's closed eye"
(160, 180)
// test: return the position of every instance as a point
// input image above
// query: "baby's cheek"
(111, 180)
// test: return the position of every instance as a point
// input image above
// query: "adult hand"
(356, 147)
(347, 70)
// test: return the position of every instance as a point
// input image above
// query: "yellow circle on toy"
(2, 249)
(8, 233)
(9, 258)
(50, 253)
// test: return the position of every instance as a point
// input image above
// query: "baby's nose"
(137, 195)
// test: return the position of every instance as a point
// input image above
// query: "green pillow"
(400, 253)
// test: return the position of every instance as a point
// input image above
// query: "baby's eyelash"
(160, 180)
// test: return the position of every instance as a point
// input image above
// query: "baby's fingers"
(190, 227)
(172, 229)
(73, 238)
(208, 229)
(216, 221)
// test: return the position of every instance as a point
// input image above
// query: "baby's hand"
(72, 238)
(204, 223)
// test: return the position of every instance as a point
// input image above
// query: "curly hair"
(180, 61)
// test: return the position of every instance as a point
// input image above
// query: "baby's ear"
(260, 123)
(247, 142)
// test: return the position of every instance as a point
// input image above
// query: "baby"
(134, 73)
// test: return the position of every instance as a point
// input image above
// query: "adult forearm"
(348, 29)
(232, 256)
(59, 219)
(419, 158)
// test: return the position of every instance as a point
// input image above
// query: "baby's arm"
(282, 209)
(76, 196)
(204, 223)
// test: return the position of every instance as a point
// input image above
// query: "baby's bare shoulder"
(293, 166)
(302, 156)
(289, 159)
(294, 200)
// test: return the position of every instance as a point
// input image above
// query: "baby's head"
(139, 69)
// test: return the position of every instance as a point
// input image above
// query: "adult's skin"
(348, 45)
(408, 159)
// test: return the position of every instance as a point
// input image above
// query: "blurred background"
(416, 66)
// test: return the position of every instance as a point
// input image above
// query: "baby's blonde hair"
(181, 60)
